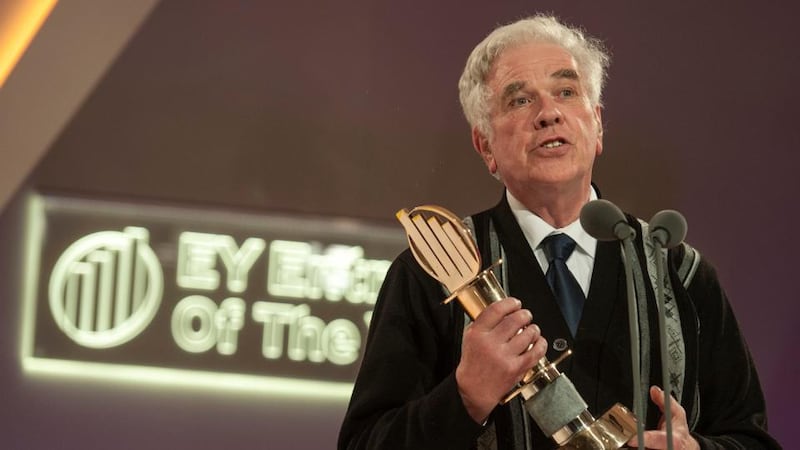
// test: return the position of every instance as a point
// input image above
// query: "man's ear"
(481, 145)
(598, 115)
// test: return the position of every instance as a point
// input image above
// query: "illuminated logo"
(106, 288)
(273, 303)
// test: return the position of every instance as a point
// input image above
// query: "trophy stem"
(479, 292)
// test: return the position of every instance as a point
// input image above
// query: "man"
(531, 93)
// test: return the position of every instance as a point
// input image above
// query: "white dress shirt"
(580, 262)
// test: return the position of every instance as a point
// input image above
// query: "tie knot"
(558, 246)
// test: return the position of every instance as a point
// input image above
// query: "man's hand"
(498, 348)
(657, 439)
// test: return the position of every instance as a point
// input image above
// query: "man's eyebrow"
(512, 88)
(569, 74)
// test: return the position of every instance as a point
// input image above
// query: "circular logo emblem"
(106, 288)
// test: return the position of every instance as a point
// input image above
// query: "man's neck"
(557, 206)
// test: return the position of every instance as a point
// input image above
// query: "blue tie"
(557, 248)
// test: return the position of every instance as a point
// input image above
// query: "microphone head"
(605, 221)
(668, 227)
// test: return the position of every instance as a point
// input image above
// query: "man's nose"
(549, 114)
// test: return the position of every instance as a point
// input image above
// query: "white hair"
(590, 56)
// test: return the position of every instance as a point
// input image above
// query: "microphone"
(606, 222)
(667, 230)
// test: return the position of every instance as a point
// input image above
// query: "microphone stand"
(606, 222)
(662, 338)
(633, 326)
(668, 229)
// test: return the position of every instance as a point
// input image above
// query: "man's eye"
(520, 101)
(567, 92)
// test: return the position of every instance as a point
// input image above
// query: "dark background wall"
(350, 110)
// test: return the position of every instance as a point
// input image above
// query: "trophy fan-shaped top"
(442, 245)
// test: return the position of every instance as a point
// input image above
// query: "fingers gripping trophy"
(444, 248)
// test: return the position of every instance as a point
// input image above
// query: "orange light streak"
(20, 20)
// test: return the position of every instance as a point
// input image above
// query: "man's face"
(545, 132)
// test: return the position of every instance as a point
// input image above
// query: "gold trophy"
(444, 248)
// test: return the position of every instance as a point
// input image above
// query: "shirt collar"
(535, 229)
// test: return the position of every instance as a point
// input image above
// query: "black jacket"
(406, 397)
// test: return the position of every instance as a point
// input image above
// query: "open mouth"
(554, 143)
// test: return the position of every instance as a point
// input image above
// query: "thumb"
(657, 395)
